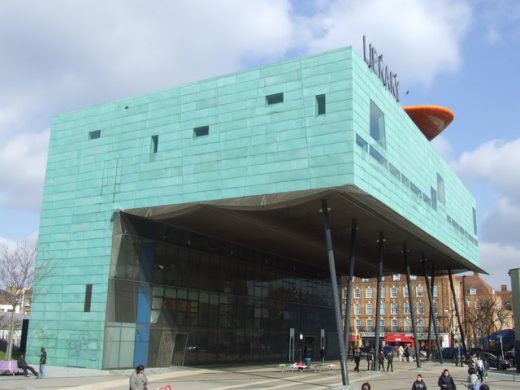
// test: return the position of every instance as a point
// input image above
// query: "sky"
(60, 55)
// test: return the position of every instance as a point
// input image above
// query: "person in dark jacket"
(24, 366)
(381, 360)
(419, 383)
(357, 358)
(446, 381)
(390, 360)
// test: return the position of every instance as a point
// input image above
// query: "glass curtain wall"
(177, 298)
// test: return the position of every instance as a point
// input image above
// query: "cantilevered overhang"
(291, 225)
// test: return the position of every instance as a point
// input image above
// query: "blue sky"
(60, 55)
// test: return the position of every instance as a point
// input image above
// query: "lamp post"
(301, 341)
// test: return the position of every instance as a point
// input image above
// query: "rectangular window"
(361, 142)
(419, 291)
(370, 327)
(413, 277)
(396, 277)
(344, 293)
(382, 323)
(357, 293)
(420, 308)
(382, 292)
(433, 194)
(377, 156)
(154, 145)
(407, 325)
(406, 308)
(441, 194)
(394, 171)
(382, 309)
(94, 134)
(415, 189)
(357, 309)
(472, 291)
(435, 308)
(201, 131)
(368, 292)
(365, 280)
(368, 309)
(393, 308)
(275, 98)
(434, 291)
(393, 292)
(420, 325)
(377, 124)
(88, 298)
(320, 104)
(357, 324)
(395, 325)
(405, 292)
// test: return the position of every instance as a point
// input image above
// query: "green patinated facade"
(155, 150)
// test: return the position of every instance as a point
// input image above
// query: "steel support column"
(381, 242)
(412, 305)
(348, 303)
(335, 294)
(459, 322)
(430, 299)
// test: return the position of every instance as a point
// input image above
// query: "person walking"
(419, 383)
(390, 360)
(138, 379)
(370, 359)
(357, 358)
(473, 380)
(400, 350)
(43, 362)
(365, 386)
(446, 381)
(381, 361)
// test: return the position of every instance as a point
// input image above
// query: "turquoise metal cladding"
(148, 153)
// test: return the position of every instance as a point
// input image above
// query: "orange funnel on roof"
(431, 120)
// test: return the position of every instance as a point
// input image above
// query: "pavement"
(254, 377)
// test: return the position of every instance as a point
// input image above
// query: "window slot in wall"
(274, 98)
(154, 145)
(377, 124)
(201, 131)
(320, 104)
(94, 134)
(88, 297)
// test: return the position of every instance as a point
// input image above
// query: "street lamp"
(301, 341)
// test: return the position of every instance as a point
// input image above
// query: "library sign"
(375, 62)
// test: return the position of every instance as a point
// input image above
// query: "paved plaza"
(253, 377)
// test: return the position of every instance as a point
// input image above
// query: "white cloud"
(443, 146)
(420, 39)
(498, 259)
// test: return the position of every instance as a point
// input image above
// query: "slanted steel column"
(335, 294)
(430, 299)
(348, 303)
(381, 242)
(412, 305)
(459, 322)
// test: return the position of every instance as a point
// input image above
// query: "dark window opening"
(377, 124)
(88, 297)
(274, 98)
(441, 194)
(474, 221)
(320, 105)
(201, 131)
(361, 142)
(434, 198)
(154, 147)
(94, 134)
(377, 156)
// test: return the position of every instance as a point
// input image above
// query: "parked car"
(495, 362)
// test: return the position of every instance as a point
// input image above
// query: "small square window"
(472, 291)
(274, 98)
(320, 105)
(94, 134)
(154, 146)
(377, 124)
(201, 131)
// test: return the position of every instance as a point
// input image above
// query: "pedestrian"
(357, 358)
(473, 380)
(484, 386)
(381, 361)
(24, 366)
(370, 359)
(479, 365)
(419, 383)
(365, 386)
(401, 352)
(446, 381)
(323, 353)
(138, 379)
(390, 359)
(411, 354)
(43, 362)
(406, 353)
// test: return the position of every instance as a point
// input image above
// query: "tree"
(486, 318)
(18, 273)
